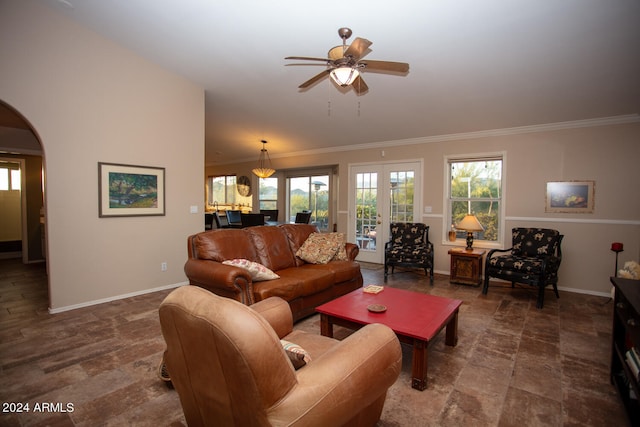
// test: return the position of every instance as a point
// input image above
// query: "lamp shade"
(470, 223)
(344, 76)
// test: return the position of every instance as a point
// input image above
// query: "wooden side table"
(466, 266)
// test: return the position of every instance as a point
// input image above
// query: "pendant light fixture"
(264, 170)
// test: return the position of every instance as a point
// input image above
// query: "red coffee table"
(415, 318)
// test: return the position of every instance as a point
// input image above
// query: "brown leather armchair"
(229, 368)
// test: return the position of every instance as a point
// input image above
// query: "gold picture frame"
(570, 197)
(129, 190)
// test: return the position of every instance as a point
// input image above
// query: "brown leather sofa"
(304, 286)
(230, 369)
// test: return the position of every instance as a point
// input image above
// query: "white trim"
(432, 215)
(114, 298)
(574, 220)
(584, 291)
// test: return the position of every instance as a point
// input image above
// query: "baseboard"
(560, 288)
(114, 298)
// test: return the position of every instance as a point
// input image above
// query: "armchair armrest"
(344, 380)
(221, 279)
(277, 312)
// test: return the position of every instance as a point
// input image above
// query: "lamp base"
(469, 241)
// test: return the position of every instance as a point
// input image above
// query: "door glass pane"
(320, 207)
(402, 191)
(298, 196)
(366, 209)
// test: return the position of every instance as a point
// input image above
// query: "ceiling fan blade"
(399, 67)
(359, 85)
(314, 79)
(358, 48)
(307, 58)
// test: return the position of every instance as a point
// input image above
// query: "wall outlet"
(428, 209)
(163, 266)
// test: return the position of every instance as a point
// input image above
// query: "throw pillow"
(258, 271)
(341, 240)
(318, 249)
(297, 355)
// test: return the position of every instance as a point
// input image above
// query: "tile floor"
(514, 365)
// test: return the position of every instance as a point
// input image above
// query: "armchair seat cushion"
(521, 267)
(413, 254)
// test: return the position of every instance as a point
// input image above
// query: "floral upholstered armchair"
(409, 246)
(533, 259)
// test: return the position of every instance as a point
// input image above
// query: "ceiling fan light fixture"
(264, 169)
(344, 76)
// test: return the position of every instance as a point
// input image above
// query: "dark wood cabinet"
(466, 266)
(626, 338)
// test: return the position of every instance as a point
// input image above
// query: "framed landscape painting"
(570, 197)
(127, 190)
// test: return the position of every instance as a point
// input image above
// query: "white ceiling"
(475, 65)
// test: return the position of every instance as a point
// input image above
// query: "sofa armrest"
(343, 381)
(221, 279)
(277, 312)
(352, 251)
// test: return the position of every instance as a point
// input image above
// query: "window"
(9, 179)
(268, 193)
(476, 187)
(309, 193)
(221, 189)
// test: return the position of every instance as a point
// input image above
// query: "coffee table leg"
(452, 331)
(326, 326)
(420, 362)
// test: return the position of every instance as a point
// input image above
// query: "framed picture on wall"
(570, 197)
(128, 190)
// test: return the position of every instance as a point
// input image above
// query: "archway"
(20, 145)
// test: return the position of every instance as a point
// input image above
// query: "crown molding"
(575, 124)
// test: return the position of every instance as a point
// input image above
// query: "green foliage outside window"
(476, 188)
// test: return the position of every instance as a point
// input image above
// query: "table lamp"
(470, 224)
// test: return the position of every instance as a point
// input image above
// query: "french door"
(379, 195)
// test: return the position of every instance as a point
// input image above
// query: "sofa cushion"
(295, 282)
(272, 247)
(343, 271)
(258, 271)
(318, 248)
(214, 245)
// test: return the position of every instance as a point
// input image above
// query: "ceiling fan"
(345, 63)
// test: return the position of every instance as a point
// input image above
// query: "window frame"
(311, 173)
(13, 177)
(261, 200)
(448, 200)
(227, 186)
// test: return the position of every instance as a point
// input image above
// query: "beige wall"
(92, 101)
(607, 154)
